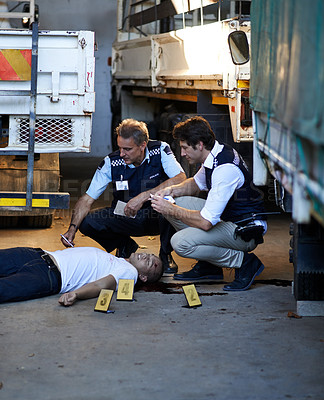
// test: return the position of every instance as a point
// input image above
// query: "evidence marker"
(125, 289)
(191, 295)
(104, 300)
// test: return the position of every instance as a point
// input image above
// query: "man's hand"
(88, 291)
(81, 209)
(70, 235)
(135, 204)
(189, 217)
(68, 299)
(162, 206)
(165, 192)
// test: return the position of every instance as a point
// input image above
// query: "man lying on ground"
(78, 273)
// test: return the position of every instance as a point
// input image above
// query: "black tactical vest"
(146, 176)
(245, 201)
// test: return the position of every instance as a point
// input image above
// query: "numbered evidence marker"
(125, 289)
(104, 300)
(191, 295)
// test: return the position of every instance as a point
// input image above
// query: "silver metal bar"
(14, 152)
(32, 14)
(183, 16)
(15, 93)
(276, 157)
(18, 15)
(32, 117)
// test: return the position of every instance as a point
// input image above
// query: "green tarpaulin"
(287, 64)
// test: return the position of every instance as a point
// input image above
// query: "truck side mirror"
(239, 47)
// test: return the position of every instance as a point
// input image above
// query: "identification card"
(191, 295)
(122, 185)
(104, 300)
(125, 289)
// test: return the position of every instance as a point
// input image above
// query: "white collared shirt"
(225, 180)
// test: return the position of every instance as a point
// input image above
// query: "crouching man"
(78, 273)
(211, 230)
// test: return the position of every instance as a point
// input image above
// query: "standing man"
(138, 169)
(222, 230)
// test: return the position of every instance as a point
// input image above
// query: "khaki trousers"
(217, 246)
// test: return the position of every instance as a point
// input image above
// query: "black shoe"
(129, 247)
(169, 265)
(201, 270)
(244, 276)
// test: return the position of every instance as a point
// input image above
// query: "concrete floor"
(237, 346)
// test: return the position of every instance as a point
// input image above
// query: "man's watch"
(75, 226)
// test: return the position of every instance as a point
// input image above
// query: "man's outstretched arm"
(137, 202)
(82, 208)
(88, 291)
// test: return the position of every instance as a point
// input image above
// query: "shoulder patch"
(167, 150)
(244, 164)
(236, 159)
(101, 164)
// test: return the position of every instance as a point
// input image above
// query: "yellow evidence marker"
(125, 289)
(104, 300)
(191, 295)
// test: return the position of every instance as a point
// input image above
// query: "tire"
(40, 221)
(8, 222)
(307, 256)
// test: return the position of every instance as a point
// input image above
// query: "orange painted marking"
(5, 68)
(15, 65)
(27, 54)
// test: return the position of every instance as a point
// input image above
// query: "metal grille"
(47, 130)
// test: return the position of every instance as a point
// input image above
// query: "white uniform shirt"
(225, 179)
(103, 176)
(81, 265)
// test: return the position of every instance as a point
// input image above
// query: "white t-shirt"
(81, 265)
(102, 176)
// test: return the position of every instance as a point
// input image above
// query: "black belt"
(51, 265)
(244, 219)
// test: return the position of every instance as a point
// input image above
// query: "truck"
(171, 59)
(174, 59)
(286, 98)
(58, 66)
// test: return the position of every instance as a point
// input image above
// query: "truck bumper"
(16, 201)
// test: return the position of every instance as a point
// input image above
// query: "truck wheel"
(308, 254)
(40, 221)
(8, 222)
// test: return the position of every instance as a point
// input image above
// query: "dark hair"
(151, 279)
(157, 276)
(132, 128)
(193, 131)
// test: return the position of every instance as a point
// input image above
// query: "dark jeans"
(112, 231)
(24, 275)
